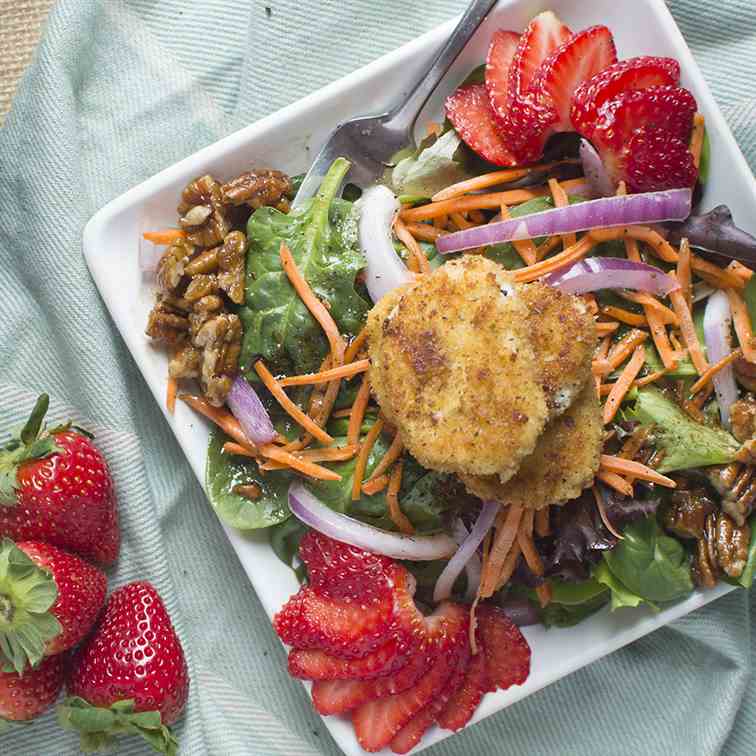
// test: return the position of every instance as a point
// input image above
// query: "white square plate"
(286, 140)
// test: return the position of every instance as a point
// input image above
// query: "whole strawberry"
(26, 697)
(55, 487)
(49, 600)
(129, 676)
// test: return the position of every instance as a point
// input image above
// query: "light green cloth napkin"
(123, 88)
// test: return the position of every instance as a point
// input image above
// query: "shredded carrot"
(477, 217)
(440, 222)
(636, 469)
(714, 369)
(651, 378)
(688, 331)
(684, 273)
(480, 182)
(231, 447)
(392, 500)
(561, 200)
(624, 316)
(342, 413)
(375, 485)
(547, 246)
(570, 255)
(697, 138)
(625, 347)
(666, 316)
(424, 232)
(166, 236)
(326, 376)
(602, 513)
(742, 322)
(702, 396)
(623, 384)
(289, 406)
(740, 270)
(507, 525)
(508, 567)
(602, 350)
(617, 482)
(591, 303)
(388, 459)
(606, 328)
(328, 454)
(460, 221)
(542, 524)
(525, 247)
(171, 391)
(221, 417)
(358, 411)
(362, 457)
(269, 451)
(416, 253)
(314, 305)
(649, 236)
(355, 345)
(490, 201)
(525, 539)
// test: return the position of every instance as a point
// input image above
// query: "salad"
(510, 384)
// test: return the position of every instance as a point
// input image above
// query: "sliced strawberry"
(412, 733)
(311, 664)
(634, 73)
(377, 722)
(506, 651)
(525, 123)
(340, 696)
(581, 57)
(462, 705)
(469, 111)
(343, 627)
(343, 571)
(498, 62)
(658, 160)
(654, 158)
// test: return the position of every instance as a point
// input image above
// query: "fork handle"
(403, 116)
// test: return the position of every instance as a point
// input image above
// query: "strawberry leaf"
(31, 430)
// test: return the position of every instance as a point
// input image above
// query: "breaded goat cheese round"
(453, 368)
(563, 463)
(563, 334)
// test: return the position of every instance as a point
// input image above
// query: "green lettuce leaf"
(649, 563)
(571, 603)
(746, 579)
(223, 472)
(621, 595)
(322, 236)
(686, 443)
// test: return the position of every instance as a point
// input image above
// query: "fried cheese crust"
(564, 462)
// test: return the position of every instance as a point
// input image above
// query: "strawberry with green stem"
(129, 676)
(49, 600)
(55, 486)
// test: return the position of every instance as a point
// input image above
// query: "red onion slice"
(594, 170)
(595, 273)
(607, 212)
(457, 563)
(247, 408)
(385, 269)
(311, 511)
(717, 324)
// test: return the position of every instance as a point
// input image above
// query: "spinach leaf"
(749, 294)
(686, 443)
(223, 472)
(575, 594)
(285, 537)
(746, 579)
(322, 236)
(621, 594)
(650, 563)
(567, 615)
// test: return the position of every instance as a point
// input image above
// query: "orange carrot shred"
(480, 182)
(166, 236)
(525, 248)
(358, 411)
(355, 345)
(623, 384)
(231, 447)
(221, 417)
(375, 485)
(570, 255)
(416, 253)
(392, 500)
(742, 322)
(602, 513)
(269, 451)
(507, 525)
(625, 347)
(326, 376)
(560, 199)
(666, 316)
(697, 138)
(542, 523)
(424, 232)
(688, 331)
(636, 469)
(289, 406)
(684, 273)
(170, 394)
(617, 482)
(388, 459)
(362, 457)
(740, 270)
(607, 328)
(624, 316)
(527, 547)
(547, 246)
(714, 369)
(460, 221)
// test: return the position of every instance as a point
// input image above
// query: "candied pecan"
(686, 514)
(704, 573)
(186, 363)
(743, 418)
(257, 188)
(205, 262)
(166, 325)
(201, 286)
(209, 303)
(172, 265)
(220, 340)
(232, 260)
(203, 192)
(736, 484)
(732, 543)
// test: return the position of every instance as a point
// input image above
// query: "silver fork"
(368, 142)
